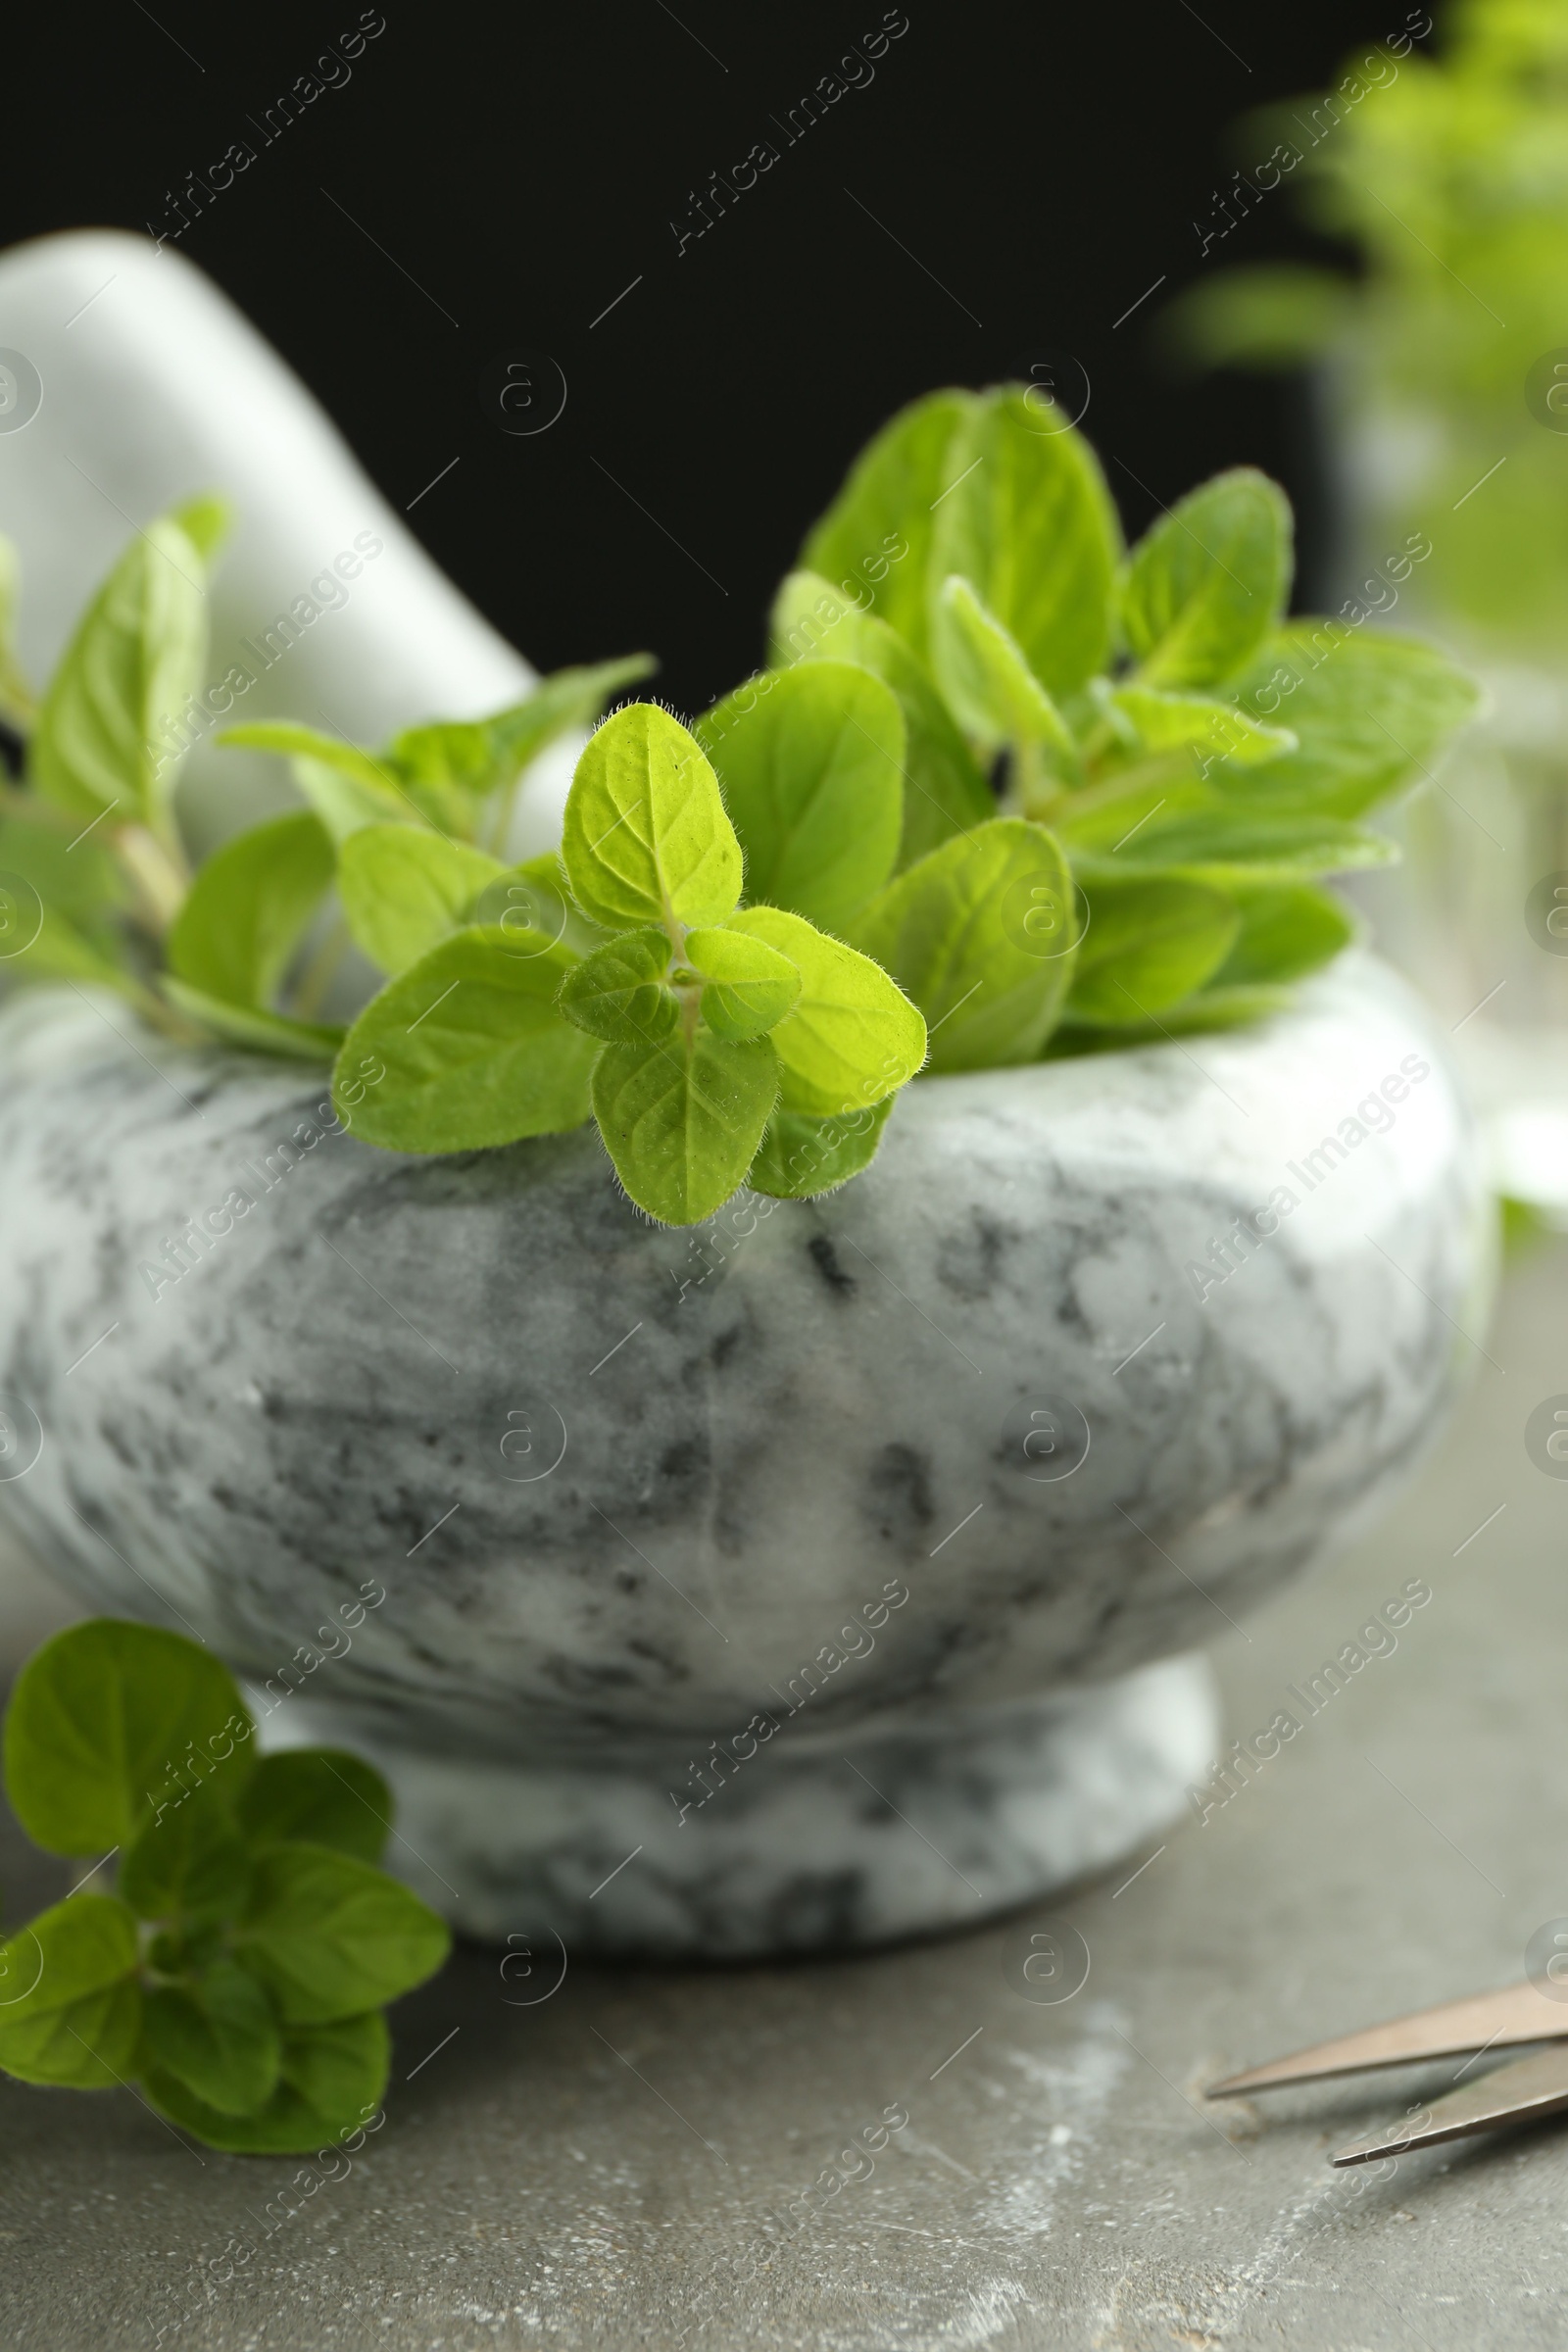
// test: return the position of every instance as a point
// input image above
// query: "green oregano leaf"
(990, 688)
(1030, 523)
(247, 2003)
(109, 1721)
(405, 889)
(339, 2070)
(205, 520)
(1149, 944)
(1369, 712)
(330, 1937)
(1210, 581)
(326, 1795)
(69, 1996)
(248, 909)
(1286, 930)
(646, 837)
(981, 934)
(1214, 730)
(481, 756)
(187, 1862)
(347, 787)
(1234, 831)
(108, 732)
(533, 897)
(873, 544)
(70, 930)
(944, 788)
(811, 761)
(852, 1036)
(216, 2034)
(622, 992)
(748, 985)
(799, 1158)
(682, 1121)
(331, 2079)
(475, 1048)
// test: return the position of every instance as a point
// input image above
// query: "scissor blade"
(1518, 2013)
(1532, 2087)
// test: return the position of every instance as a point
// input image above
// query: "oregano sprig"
(683, 1030)
(238, 1972)
(1006, 789)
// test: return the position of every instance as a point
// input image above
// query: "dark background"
(509, 173)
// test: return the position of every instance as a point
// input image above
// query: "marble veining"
(625, 1487)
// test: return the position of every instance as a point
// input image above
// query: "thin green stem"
(501, 832)
(1124, 784)
(322, 970)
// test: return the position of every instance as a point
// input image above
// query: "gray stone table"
(597, 2168)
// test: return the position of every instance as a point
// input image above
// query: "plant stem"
(158, 873)
(501, 832)
(320, 972)
(1124, 784)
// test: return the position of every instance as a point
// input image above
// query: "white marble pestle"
(151, 386)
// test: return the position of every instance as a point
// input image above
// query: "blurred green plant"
(1450, 179)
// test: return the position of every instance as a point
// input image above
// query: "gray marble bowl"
(820, 1576)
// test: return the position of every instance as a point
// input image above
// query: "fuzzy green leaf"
(1030, 523)
(1149, 944)
(345, 786)
(1369, 712)
(69, 1996)
(107, 729)
(1234, 832)
(405, 889)
(481, 756)
(102, 1720)
(853, 1036)
(330, 1937)
(475, 1048)
(799, 1158)
(944, 790)
(217, 2036)
(990, 688)
(248, 908)
(1210, 581)
(748, 985)
(1215, 730)
(811, 764)
(292, 741)
(533, 897)
(1286, 930)
(622, 992)
(646, 838)
(980, 934)
(873, 544)
(322, 1795)
(682, 1121)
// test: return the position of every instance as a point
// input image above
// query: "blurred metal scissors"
(1529, 2088)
